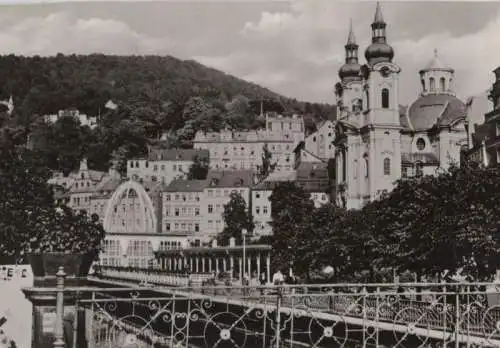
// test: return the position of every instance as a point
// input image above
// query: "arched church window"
(344, 165)
(385, 98)
(450, 86)
(432, 84)
(423, 84)
(420, 144)
(367, 99)
(387, 166)
(367, 168)
(442, 83)
(419, 170)
(355, 169)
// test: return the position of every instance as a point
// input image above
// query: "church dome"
(379, 52)
(350, 70)
(435, 109)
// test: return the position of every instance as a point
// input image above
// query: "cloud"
(63, 32)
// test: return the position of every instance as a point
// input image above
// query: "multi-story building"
(314, 179)
(216, 194)
(486, 138)
(376, 140)
(320, 143)
(261, 205)
(80, 185)
(182, 201)
(164, 165)
(230, 150)
(84, 119)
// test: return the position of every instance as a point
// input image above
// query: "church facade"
(378, 141)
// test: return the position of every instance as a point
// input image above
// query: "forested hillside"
(155, 95)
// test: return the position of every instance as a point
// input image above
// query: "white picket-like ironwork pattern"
(335, 315)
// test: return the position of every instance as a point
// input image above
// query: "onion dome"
(350, 71)
(379, 50)
(435, 110)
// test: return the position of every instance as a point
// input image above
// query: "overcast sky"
(292, 47)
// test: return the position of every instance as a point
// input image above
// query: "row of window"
(82, 184)
(217, 208)
(265, 210)
(182, 197)
(183, 226)
(416, 170)
(156, 167)
(184, 211)
(225, 193)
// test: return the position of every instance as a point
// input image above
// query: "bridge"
(127, 308)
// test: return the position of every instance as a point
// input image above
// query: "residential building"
(261, 205)
(84, 119)
(377, 140)
(486, 137)
(164, 165)
(231, 150)
(314, 179)
(181, 215)
(216, 194)
(320, 143)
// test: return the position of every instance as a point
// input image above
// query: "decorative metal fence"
(336, 315)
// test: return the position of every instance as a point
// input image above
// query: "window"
(367, 99)
(367, 168)
(162, 167)
(355, 169)
(168, 227)
(176, 211)
(420, 144)
(196, 227)
(210, 208)
(257, 195)
(419, 170)
(432, 84)
(196, 211)
(385, 98)
(442, 82)
(155, 167)
(131, 164)
(265, 210)
(387, 166)
(174, 167)
(423, 84)
(257, 210)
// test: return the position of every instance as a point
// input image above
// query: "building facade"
(231, 150)
(486, 137)
(163, 165)
(377, 140)
(85, 120)
(320, 143)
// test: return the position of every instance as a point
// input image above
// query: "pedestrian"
(278, 278)
(262, 282)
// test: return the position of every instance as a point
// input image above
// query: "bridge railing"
(333, 315)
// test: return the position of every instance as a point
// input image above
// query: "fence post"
(278, 316)
(59, 329)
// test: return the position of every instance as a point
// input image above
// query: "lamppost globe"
(327, 271)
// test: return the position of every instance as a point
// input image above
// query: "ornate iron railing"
(336, 315)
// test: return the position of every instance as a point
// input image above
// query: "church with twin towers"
(379, 141)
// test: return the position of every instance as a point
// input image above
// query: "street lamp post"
(244, 234)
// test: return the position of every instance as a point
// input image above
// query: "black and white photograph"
(249, 174)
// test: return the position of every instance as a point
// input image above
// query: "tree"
(291, 208)
(236, 218)
(267, 167)
(29, 219)
(199, 169)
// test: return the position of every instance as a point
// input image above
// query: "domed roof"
(379, 52)
(435, 109)
(350, 70)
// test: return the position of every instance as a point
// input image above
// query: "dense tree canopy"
(236, 219)
(154, 96)
(29, 220)
(449, 223)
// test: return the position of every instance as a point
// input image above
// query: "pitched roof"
(177, 154)
(186, 186)
(274, 178)
(235, 178)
